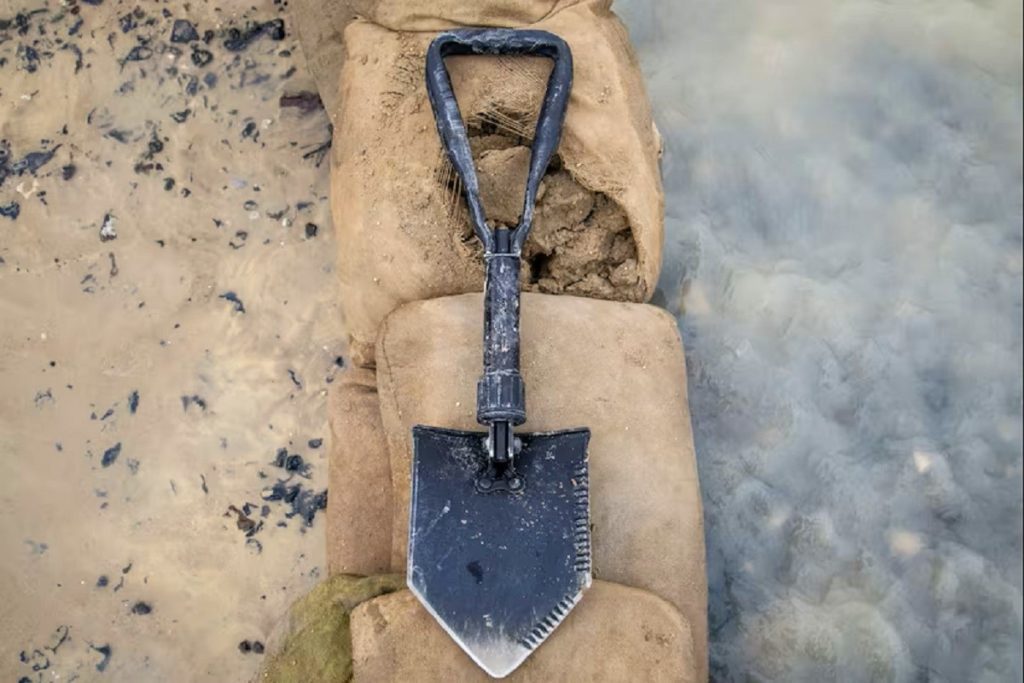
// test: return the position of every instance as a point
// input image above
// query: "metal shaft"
(501, 393)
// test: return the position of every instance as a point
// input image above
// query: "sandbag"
(312, 642)
(615, 634)
(359, 508)
(613, 367)
(320, 25)
(402, 230)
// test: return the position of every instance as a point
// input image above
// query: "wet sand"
(150, 378)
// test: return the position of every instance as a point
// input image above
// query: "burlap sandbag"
(615, 634)
(320, 25)
(342, 631)
(613, 367)
(359, 509)
(403, 234)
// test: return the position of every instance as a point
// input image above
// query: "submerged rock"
(183, 31)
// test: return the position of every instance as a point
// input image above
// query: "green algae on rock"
(313, 642)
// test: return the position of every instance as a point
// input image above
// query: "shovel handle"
(501, 392)
(452, 129)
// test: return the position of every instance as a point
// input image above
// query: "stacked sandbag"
(408, 267)
(403, 234)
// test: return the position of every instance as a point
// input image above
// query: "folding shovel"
(499, 531)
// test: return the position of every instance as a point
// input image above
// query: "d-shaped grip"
(451, 127)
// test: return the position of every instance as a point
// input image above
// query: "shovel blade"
(499, 570)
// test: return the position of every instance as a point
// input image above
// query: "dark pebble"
(133, 401)
(311, 230)
(110, 455)
(141, 608)
(33, 161)
(199, 401)
(183, 31)
(68, 172)
(233, 298)
(10, 210)
(201, 57)
(239, 40)
(306, 101)
(139, 53)
(102, 582)
(315, 443)
(104, 650)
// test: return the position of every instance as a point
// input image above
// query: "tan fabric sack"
(320, 24)
(613, 367)
(360, 510)
(342, 631)
(615, 634)
(403, 234)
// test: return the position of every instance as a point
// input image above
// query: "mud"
(581, 242)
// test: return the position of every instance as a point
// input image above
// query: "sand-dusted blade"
(499, 570)
(499, 529)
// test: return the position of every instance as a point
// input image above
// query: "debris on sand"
(183, 31)
(110, 455)
(108, 231)
(246, 647)
(233, 298)
(142, 608)
(106, 652)
(240, 39)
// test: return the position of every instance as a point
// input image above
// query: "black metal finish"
(501, 393)
(499, 570)
(499, 535)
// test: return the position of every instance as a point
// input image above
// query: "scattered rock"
(183, 31)
(195, 399)
(240, 39)
(305, 101)
(201, 57)
(233, 298)
(142, 608)
(110, 455)
(108, 231)
(104, 650)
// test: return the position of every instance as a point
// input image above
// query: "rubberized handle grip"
(452, 129)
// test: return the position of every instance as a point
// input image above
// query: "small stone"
(141, 608)
(110, 455)
(108, 231)
(183, 31)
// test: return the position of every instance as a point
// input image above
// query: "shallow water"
(89, 324)
(843, 225)
(843, 249)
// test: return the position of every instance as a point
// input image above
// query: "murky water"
(843, 248)
(843, 224)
